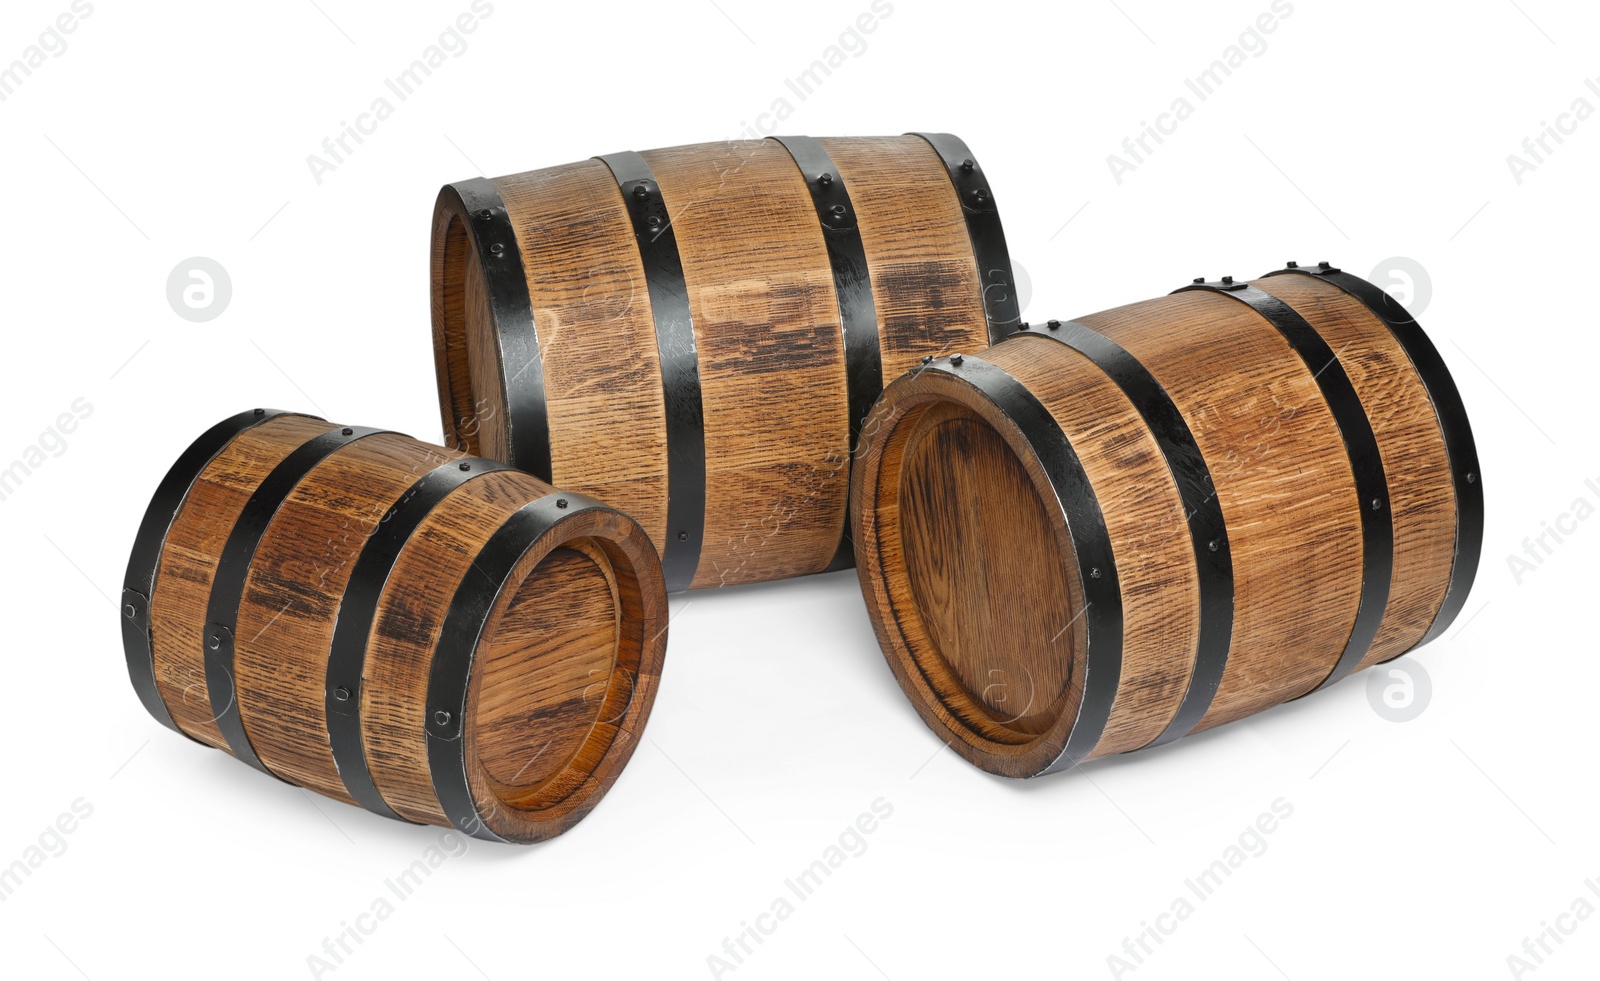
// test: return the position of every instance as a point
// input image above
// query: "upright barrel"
(434, 637)
(1105, 534)
(694, 334)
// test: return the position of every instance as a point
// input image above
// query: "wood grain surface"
(591, 305)
(925, 282)
(189, 563)
(766, 325)
(959, 548)
(291, 600)
(564, 671)
(1422, 505)
(1145, 516)
(772, 376)
(1283, 479)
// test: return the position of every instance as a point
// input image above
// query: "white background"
(1363, 131)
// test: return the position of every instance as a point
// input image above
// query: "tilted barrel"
(437, 638)
(694, 334)
(1105, 534)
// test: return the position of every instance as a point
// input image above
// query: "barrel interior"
(552, 700)
(980, 612)
(470, 396)
(550, 653)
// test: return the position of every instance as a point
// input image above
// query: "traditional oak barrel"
(1103, 535)
(694, 334)
(437, 638)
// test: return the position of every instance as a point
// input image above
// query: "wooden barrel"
(694, 334)
(436, 638)
(1103, 535)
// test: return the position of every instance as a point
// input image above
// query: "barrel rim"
(533, 532)
(1454, 425)
(476, 204)
(1060, 481)
(149, 544)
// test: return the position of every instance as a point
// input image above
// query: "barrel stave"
(1421, 505)
(1282, 477)
(188, 565)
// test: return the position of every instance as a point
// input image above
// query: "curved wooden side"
(405, 631)
(771, 356)
(292, 595)
(1145, 516)
(591, 305)
(1283, 480)
(1415, 462)
(189, 563)
(925, 281)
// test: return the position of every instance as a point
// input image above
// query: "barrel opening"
(466, 351)
(564, 671)
(981, 610)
